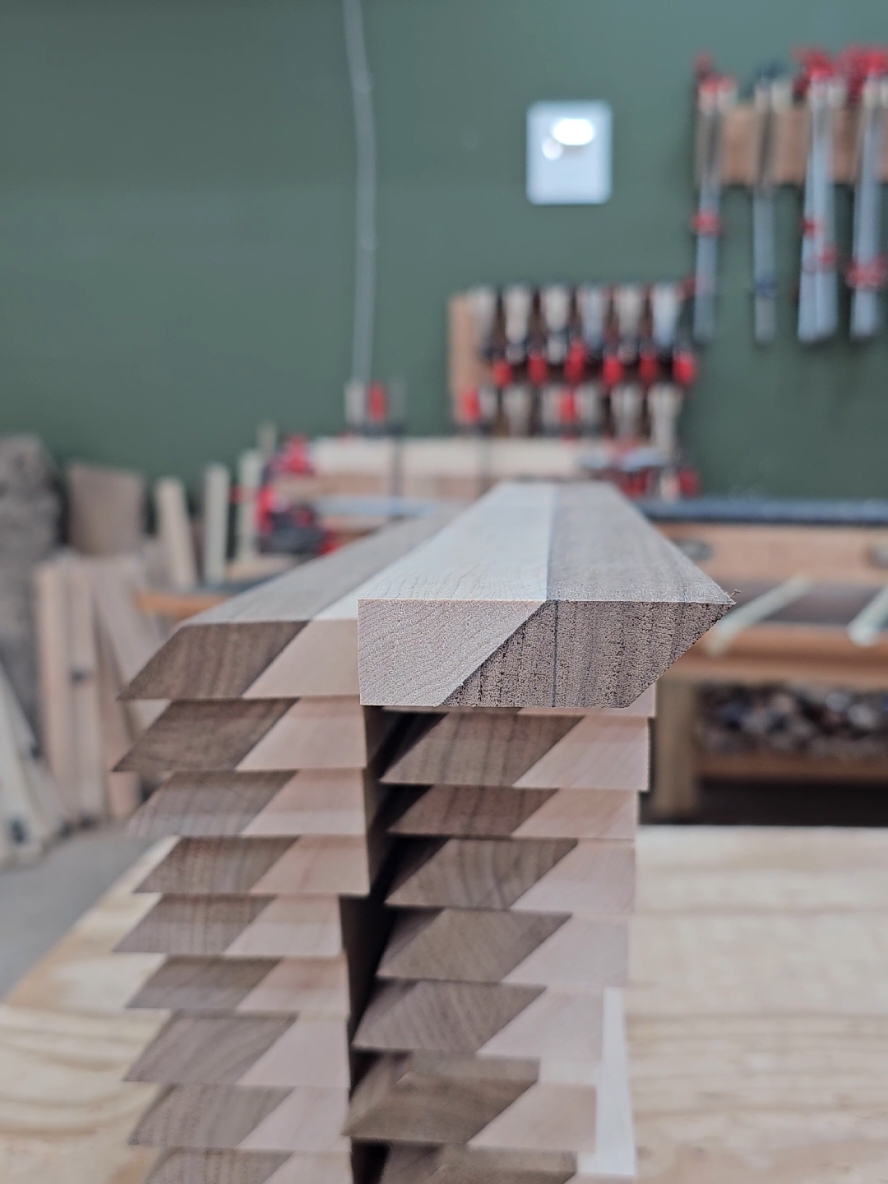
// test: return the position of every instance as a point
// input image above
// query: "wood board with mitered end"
(538, 595)
(531, 875)
(491, 946)
(270, 986)
(239, 927)
(432, 1098)
(241, 647)
(256, 1051)
(261, 735)
(490, 812)
(229, 1117)
(523, 750)
(546, 1131)
(554, 1027)
(311, 865)
(261, 805)
(250, 1167)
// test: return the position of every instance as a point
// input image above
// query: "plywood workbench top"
(758, 1019)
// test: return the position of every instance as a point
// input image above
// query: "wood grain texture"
(470, 811)
(202, 984)
(582, 954)
(438, 1016)
(318, 986)
(594, 879)
(207, 1050)
(225, 1117)
(215, 805)
(205, 1116)
(328, 733)
(474, 873)
(209, 736)
(464, 811)
(215, 1167)
(253, 1051)
(239, 927)
(475, 749)
(321, 660)
(549, 1116)
(752, 1061)
(215, 867)
(220, 653)
(434, 1098)
(538, 595)
(595, 754)
(463, 1165)
(464, 945)
(308, 1120)
(474, 945)
(321, 802)
(250, 1167)
(206, 804)
(192, 925)
(313, 865)
(271, 986)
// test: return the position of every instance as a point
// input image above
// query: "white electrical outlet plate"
(569, 153)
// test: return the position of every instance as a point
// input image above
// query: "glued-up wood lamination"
(261, 735)
(217, 804)
(424, 1165)
(532, 949)
(524, 751)
(264, 985)
(468, 811)
(532, 875)
(312, 865)
(463, 749)
(219, 654)
(473, 873)
(239, 927)
(433, 1097)
(439, 1016)
(538, 595)
(251, 1167)
(192, 735)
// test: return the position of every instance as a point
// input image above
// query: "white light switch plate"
(569, 153)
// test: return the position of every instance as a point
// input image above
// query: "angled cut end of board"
(220, 653)
(537, 596)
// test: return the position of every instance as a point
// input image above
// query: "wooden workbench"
(758, 1020)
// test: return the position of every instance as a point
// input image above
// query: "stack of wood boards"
(526, 636)
(92, 640)
(393, 934)
(268, 914)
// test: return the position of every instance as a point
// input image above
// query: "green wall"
(176, 217)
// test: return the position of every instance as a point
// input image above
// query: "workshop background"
(177, 192)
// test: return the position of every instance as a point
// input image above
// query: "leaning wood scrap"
(92, 639)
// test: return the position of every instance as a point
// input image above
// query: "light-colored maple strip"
(596, 754)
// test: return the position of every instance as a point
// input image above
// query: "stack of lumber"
(267, 916)
(92, 640)
(526, 637)
(441, 877)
